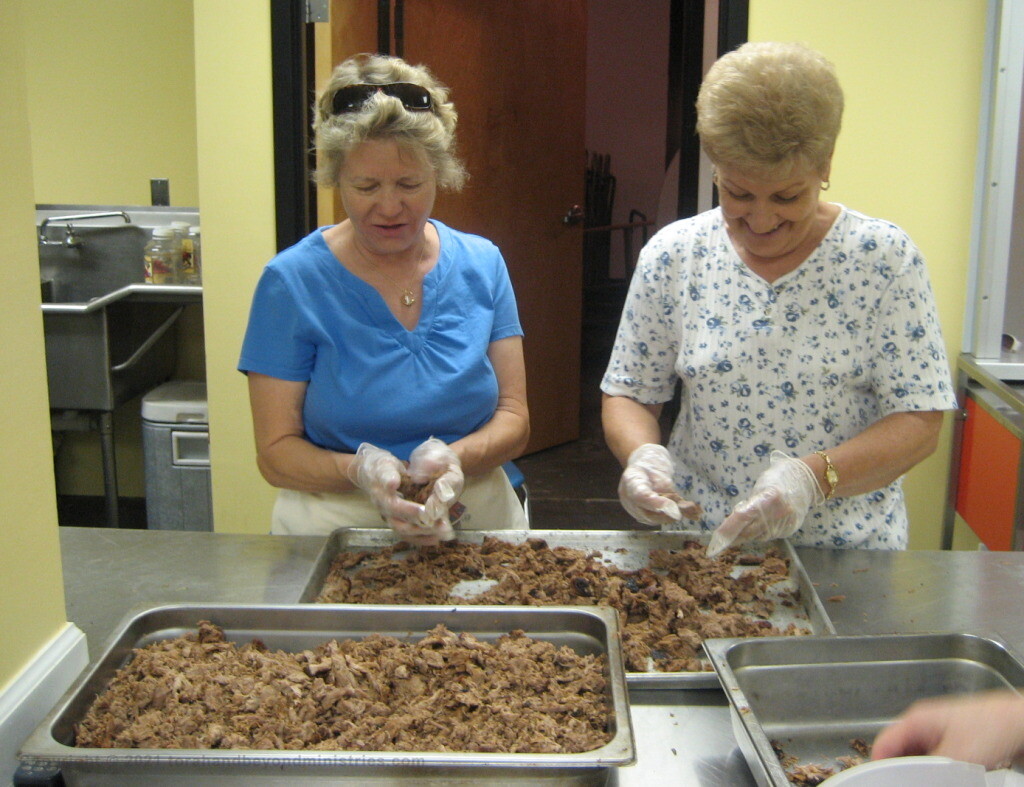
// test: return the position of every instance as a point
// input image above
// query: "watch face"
(833, 480)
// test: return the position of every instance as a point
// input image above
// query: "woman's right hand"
(647, 491)
(379, 473)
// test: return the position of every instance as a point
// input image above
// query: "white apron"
(491, 504)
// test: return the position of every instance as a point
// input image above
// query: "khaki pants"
(491, 504)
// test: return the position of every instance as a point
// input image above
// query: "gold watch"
(831, 476)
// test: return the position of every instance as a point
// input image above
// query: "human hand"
(776, 507)
(434, 461)
(647, 491)
(379, 473)
(986, 728)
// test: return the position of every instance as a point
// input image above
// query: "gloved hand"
(434, 459)
(379, 473)
(776, 507)
(647, 491)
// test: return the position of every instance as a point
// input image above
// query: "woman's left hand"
(777, 506)
(434, 459)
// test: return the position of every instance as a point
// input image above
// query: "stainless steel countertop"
(683, 737)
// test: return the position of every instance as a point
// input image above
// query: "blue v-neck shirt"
(369, 378)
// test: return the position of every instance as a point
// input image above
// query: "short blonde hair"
(769, 107)
(431, 134)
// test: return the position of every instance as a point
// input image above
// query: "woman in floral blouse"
(804, 334)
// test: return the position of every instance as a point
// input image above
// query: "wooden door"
(518, 76)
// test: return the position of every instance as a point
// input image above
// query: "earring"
(825, 185)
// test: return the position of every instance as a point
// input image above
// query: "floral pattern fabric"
(800, 364)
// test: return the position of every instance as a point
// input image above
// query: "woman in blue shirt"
(388, 344)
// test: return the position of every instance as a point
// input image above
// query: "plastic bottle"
(162, 257)
(181, 229)
(192, 258)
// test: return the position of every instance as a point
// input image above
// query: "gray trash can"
(176, 445)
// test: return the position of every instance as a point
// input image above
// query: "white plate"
(904, 771)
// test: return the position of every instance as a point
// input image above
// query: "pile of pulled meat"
(811, 774)
(666, 609)
(446, 693)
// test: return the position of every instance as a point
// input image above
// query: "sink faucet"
(70, 239)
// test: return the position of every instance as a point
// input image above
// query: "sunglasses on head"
(415, 98)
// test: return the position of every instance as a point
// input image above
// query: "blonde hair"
(770, 107)
(430, 133)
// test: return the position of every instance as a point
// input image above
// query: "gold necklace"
(407, 298)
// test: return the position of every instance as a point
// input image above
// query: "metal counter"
(683, 737)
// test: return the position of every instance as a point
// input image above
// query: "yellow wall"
(963, 537)
(32, 592)
(236, 191)
(111, 100)
(911, 72)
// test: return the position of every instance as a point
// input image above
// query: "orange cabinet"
(987, 490)
(987, 469)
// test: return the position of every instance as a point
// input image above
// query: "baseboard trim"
(31, 695)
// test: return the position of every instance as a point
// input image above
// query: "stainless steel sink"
(108, 333)
(103, 353)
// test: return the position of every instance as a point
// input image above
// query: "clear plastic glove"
(776, 507)
(434, 460)
(647, 491)
(379, 473)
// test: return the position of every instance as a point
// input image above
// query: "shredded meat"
(666, 610)
(812, 773)
(687, 508)
(809, 774)
(416, 491)
(447, 692)
(861, 746)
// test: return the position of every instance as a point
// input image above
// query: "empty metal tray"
(297, 627)
(812, 696)
(625, 549)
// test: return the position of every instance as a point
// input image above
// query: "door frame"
(292, 78)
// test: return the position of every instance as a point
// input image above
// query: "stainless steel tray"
(625, 549)
(814, 695)
(296, 627)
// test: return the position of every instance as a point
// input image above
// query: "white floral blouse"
(801, 364)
